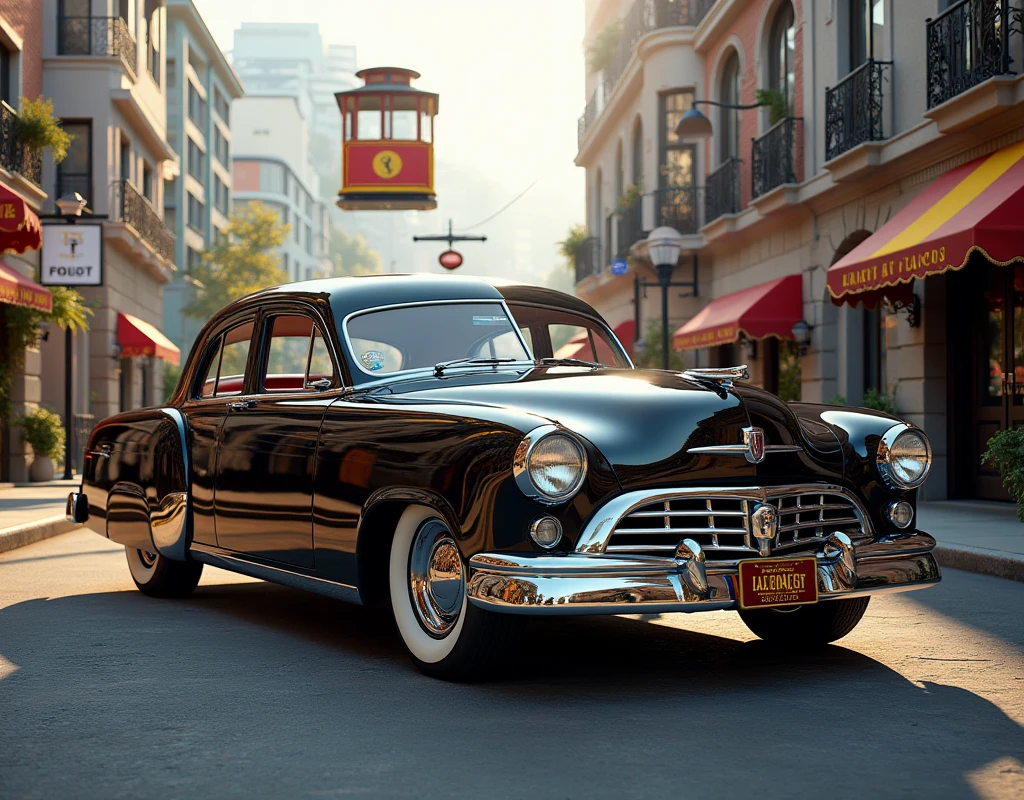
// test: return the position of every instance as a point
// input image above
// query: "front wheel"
(159, 576)
(446, 636)
(809, 625)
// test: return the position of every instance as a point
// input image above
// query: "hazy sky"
(510, 78)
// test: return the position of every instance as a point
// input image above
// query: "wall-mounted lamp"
(748, 348)
(802, 334)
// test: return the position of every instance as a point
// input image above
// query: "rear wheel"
(446, 635)
(809, 625)
(159, 576)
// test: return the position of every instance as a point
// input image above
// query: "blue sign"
(619, 266)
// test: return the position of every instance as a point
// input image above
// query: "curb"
(13, 538)
(978, 559)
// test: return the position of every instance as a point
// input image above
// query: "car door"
(219, 381)
(264, 495)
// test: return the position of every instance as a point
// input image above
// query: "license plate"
(778, 582)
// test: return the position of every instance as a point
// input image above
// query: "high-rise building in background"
(201, 86)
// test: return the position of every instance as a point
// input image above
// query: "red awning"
(976, 207)
(18, 290)
(19, 226)
(625, 332)
(768, 309)
(138, 338)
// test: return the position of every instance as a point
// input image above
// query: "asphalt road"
(251, 690)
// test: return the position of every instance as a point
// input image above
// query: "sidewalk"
(976, 535)
(31, 512)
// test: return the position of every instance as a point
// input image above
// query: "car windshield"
(417, 337)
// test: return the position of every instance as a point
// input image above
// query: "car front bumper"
(584, 583)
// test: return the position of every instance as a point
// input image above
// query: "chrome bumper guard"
(584, 583)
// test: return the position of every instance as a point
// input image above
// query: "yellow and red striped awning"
(976, 207)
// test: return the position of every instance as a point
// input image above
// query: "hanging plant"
(602, 49)
(572, 245)
(629, 197)
(38, 128)
(778, 109)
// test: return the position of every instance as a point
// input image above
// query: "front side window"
(296, 355)
(418, 337)
(560, 334)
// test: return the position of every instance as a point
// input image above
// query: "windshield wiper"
(579, 362)
(440, 367)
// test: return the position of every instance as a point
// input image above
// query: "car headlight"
(904, 457)
(549, 465)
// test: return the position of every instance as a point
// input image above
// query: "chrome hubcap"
(148, 559)
(437, 583)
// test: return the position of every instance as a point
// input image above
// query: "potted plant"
(602, 50)
(572, 245)
(632, 193)
(1005, 452)
(44, 431)
(38, 129)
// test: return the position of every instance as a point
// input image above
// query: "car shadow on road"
(249, 671)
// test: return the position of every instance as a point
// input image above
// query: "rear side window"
(297, 356)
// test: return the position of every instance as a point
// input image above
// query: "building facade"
(271, 166)
(870, 104)
(201, 87)
(104, 68)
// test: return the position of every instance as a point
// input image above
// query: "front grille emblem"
(753, 438)
(764, 524)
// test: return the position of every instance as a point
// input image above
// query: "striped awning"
(974, 208)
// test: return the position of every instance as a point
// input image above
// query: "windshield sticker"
(373, 360)
(491, 319)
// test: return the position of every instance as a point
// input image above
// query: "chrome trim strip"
(169, 522)
(743, 450)
(599, 527)
(430, 370)
(217, 558)
(577, 583)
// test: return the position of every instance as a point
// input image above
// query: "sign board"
(72, 255)
(619, 266)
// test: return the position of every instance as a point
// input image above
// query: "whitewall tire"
(159, 576)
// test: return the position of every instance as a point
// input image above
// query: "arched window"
(782, 53)
(729, 122)
(638, 151)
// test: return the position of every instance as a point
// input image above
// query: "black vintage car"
(413, 441)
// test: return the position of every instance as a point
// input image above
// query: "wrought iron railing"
(131, 208)
(773, 157)
(968, 43)
(588, 259)
(642, 17)
(722, 192)
(854, 108)
(97, 36)
(15, 155)
(629, 227)
(678, 207)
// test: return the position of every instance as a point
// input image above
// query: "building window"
(620, 172)
(638, 151)
(220, 196)
(285, 263)
(221, 105)
(598, 203)
(5, 75)
(196, 106)
(729, 119)
(676, 165)
(196, 213)
(172, 73)
(153, 39)
(272, 178)
(220, 146)
(867, 26)
(309, 240)
(782, 54)
(74, 173)
(193, 259)
(125, 157)
(296, 232)
(196, 161)
(148, 185)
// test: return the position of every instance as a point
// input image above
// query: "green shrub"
(572, 245)
(39, 129)
(776, 102)
(1005, 452)
(879, 401)
(45, 432)
(600, 53)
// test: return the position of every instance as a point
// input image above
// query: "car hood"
(644, 422)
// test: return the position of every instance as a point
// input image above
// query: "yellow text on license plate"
(778, 582)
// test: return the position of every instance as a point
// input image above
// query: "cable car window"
(368, 119)
(426, 134)
(403, 118)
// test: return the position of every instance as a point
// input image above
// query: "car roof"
(525, 294)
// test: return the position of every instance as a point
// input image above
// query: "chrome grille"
(720, 523)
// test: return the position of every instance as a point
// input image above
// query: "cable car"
(387, 159)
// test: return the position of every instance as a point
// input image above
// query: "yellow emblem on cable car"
(387, 164)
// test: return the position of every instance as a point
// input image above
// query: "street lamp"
(71, 206)
(694, 126)
(802, 334)
(663, 245)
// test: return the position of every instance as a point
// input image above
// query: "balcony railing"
(15, 155)
(854, 108)
(588, 259)
(773, 157)
(678, 208)
(722, 193)
(629, 227)
(971, 42)
(131, 208)
(97, 36)
(643, 17)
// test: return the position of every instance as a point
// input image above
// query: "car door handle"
(242, 405)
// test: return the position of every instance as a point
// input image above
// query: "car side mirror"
(319, 384)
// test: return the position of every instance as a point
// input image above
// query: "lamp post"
(694, 126)
(663, 245)
(70, 207)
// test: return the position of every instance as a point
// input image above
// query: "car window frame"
(294, 309)
(199, 376)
